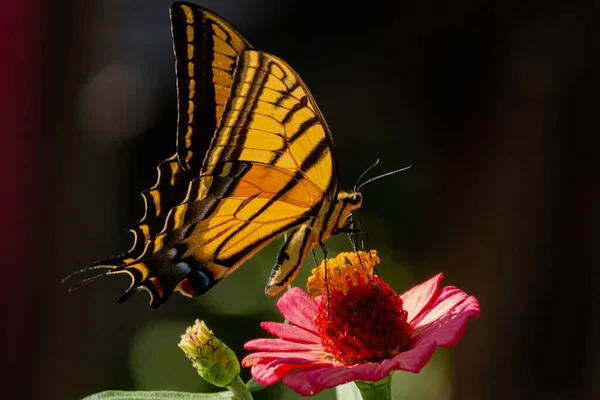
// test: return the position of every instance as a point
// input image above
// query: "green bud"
(215, 362)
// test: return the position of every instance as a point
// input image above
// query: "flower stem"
(376, 390)
(238, 388)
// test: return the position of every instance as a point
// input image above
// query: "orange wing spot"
(190, 111)
(185, 288)
(188, 137)
(157, 286)
(145, 230)
(192, 88)
(158, 242)
(188, 157)
(189, 15)
(190, 33)
(190, 51)
(218, 271)
(156, 197)
(141, 267)
(173, 172)
(190, 69)
(178, 214)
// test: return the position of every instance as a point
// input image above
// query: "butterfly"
(254, 160)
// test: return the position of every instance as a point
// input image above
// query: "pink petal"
(298, 381)
(317, 300)
(280, 345)
(282, 356)
(298, 308)
(334, 376)
(418, 297)
(447, 299)
(448, 324)
(412, 360)
(290, 332)
(268, 373)
(263, 375)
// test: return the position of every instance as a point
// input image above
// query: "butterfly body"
(255, 159)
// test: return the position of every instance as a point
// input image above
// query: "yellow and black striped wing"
(273, 126)
(267, 171)
(272, 118)
(206, 50)
(228, 217)
(254, 159)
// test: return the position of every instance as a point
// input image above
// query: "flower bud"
(215, 362)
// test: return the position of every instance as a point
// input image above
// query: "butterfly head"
(356, 199)
(344, 205)
(349, 201)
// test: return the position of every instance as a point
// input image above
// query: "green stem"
(376, 390)
(238, 388)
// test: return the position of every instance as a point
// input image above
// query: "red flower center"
(360, 317)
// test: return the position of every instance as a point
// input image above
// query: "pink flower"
(356, 328)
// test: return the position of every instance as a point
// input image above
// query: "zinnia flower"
(356, 328)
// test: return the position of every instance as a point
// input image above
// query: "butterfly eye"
(356, 199)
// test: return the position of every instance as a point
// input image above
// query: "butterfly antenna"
(386, 174)
(366, 171)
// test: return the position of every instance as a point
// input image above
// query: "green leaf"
(158, 395)
(253, 386)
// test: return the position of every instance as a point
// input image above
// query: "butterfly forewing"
(254, 159)
(271, 118)
(206, 52)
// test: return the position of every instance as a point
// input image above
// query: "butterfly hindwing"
(216, 232)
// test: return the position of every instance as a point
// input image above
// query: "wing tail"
(159, 274)
(85, 281)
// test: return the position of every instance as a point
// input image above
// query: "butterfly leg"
(315, 257)
(352, 227)
(352, 237)
(364, 237)
(325, 266)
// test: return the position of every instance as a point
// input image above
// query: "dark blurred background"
(496, 101)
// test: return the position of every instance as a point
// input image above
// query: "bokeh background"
(497, 101)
